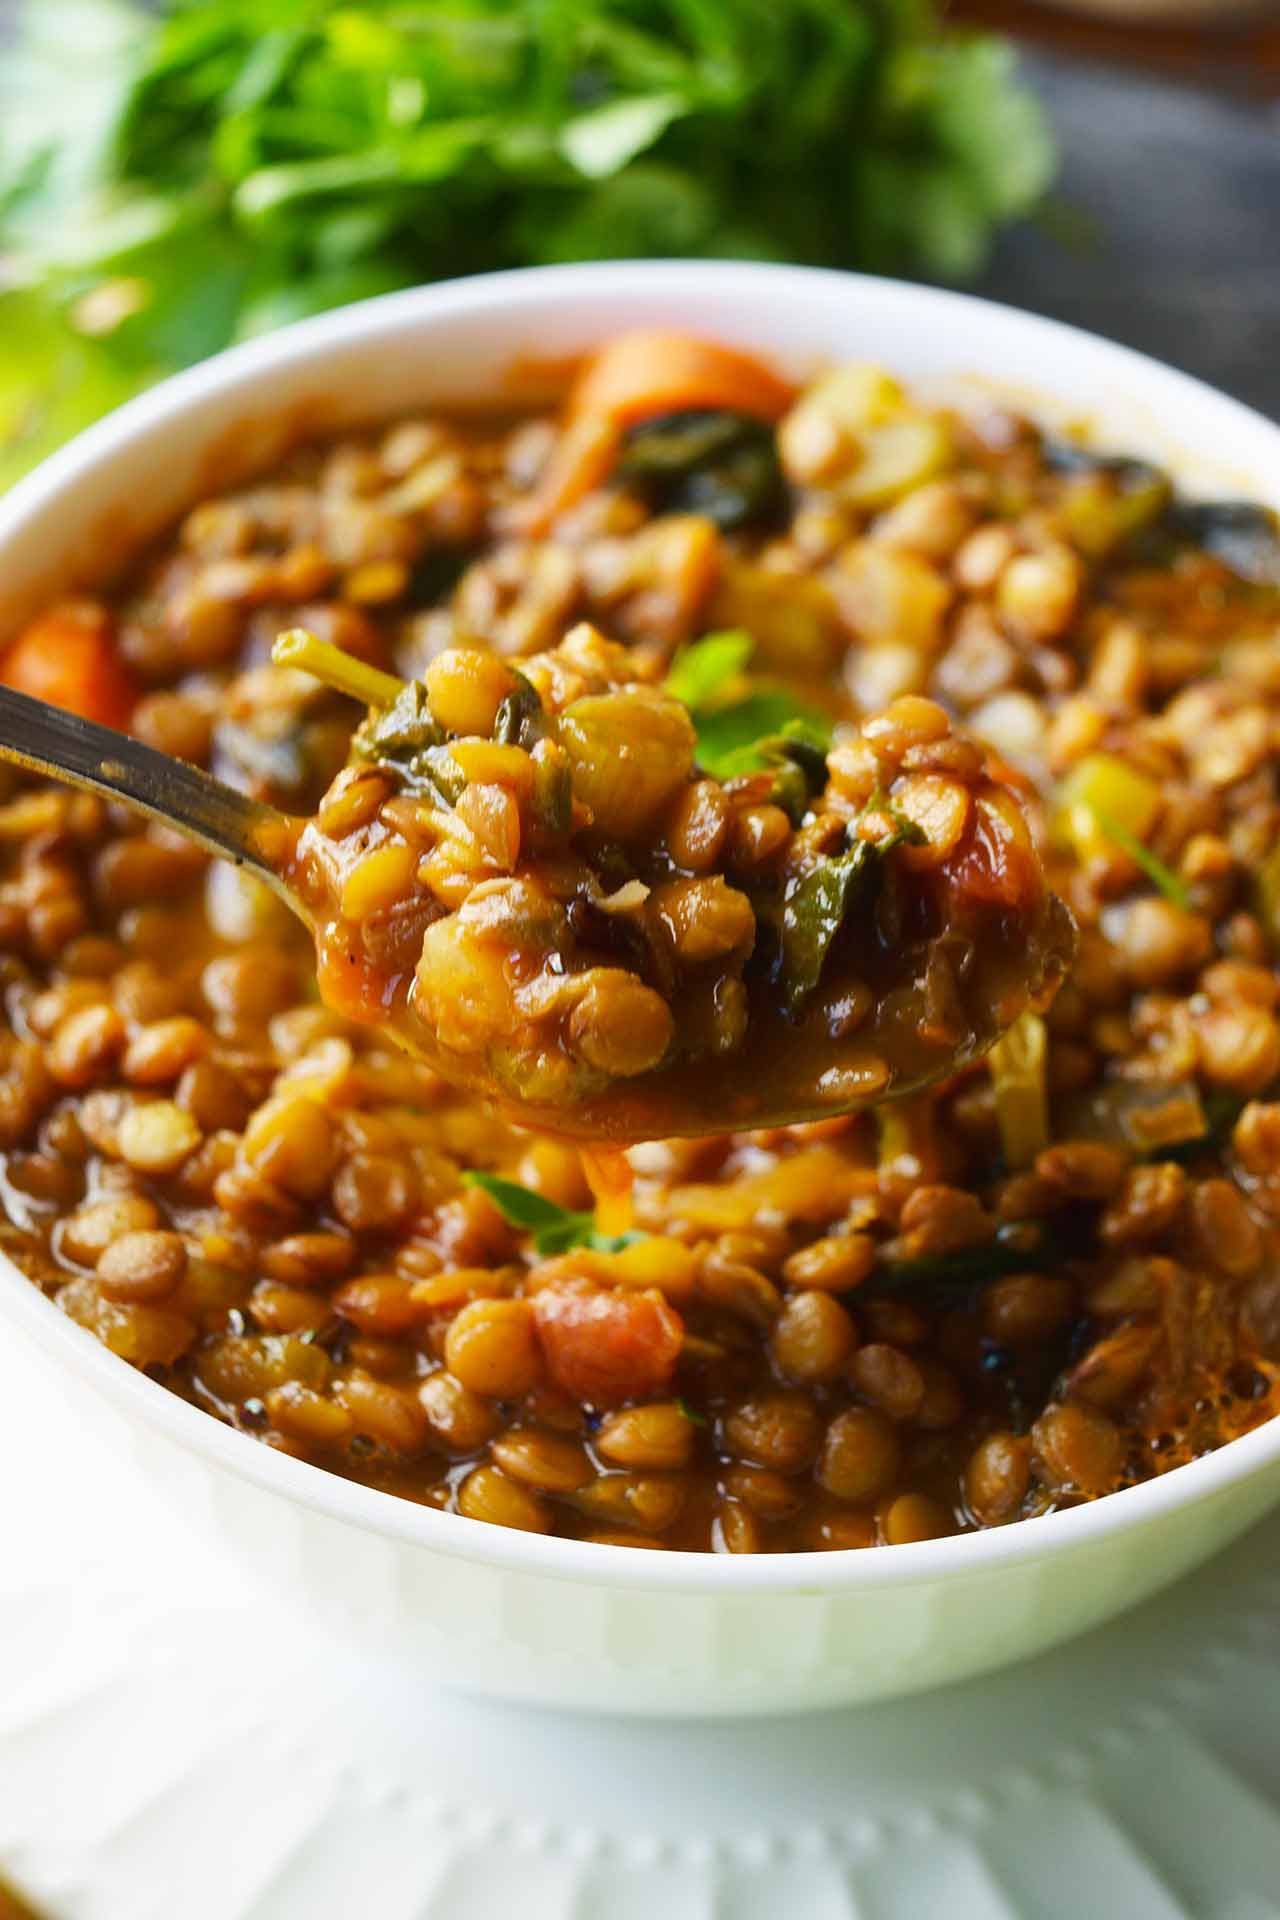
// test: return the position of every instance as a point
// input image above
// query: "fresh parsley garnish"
(553, 1229)
(700, 672)
(741, 727)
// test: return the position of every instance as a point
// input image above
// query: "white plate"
(173, 1744)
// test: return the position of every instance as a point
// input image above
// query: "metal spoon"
(46, 739)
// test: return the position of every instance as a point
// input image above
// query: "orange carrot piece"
(581, 460)
(67, 656)
(639, 375)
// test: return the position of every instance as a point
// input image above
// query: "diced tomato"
(347, 983)
(603, 1347)
(68, 657)
(995, 864)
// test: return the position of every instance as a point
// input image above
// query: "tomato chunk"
(68, 657)
(602, 1347)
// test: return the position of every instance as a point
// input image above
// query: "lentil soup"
(525, 877)
(1046, 1277)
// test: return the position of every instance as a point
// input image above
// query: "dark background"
(1164, 230)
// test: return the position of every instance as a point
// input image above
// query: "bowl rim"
(522, 295)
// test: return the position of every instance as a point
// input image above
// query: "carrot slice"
(67, 656)
(639, 375)
(581, 460)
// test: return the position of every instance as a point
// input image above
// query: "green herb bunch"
(173, 181)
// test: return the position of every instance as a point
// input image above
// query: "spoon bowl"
(789, 1072)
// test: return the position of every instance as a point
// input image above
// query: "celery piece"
(1017, 1065)
(323, 661)
(1101, 787)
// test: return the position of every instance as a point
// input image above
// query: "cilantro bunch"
(174, 180)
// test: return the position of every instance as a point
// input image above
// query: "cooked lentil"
(867, 1330)
(496, 877)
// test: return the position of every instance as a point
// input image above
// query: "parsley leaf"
(740, 729)
(553, 1229)
(701, 670)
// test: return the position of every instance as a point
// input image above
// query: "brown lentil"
(142, 1267)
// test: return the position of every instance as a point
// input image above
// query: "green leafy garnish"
(553, 1229)
(700, 672)
(691, 1414)
(819, 901)
(1155, 869)
(815, 909)
(742, 736)
(723, 465)
(740, 728)
(176, 178)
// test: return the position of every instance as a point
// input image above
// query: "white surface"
(175, 1743)
(524, 1615)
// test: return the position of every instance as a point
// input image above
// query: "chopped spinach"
(723, 465)
(741, 729)
(1066, 456)
(553, 1229)
(520, 720)
(405, 736)
(815, 908)
(436, 573)
(400, 730)
(799, 766)
(736, 738)
(818, 902)
(1243, 536)
(952, 1278)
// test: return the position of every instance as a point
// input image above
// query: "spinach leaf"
(814, 910)
(817, 904)
(1068, 456)
(553, 1229)
(953, 1278)
(1244, 536)
(724, 465)
(405, 735)
(520, 720)
(402, 729)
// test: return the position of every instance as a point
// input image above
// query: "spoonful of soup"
(525, 876)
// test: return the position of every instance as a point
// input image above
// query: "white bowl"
(519, 1614)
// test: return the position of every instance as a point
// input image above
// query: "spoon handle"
(46, 739)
